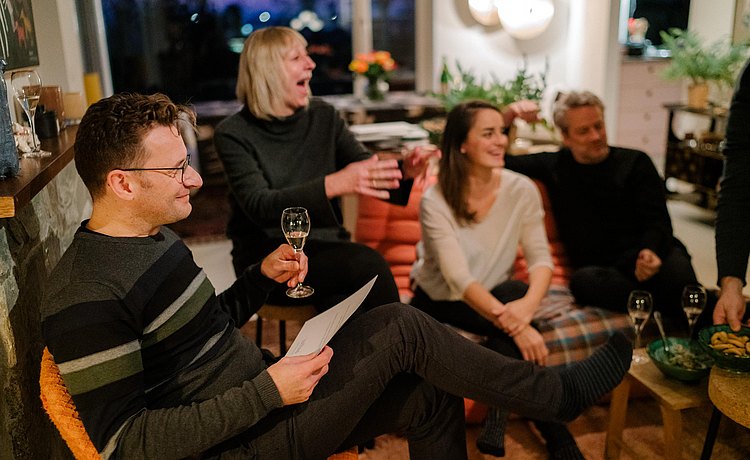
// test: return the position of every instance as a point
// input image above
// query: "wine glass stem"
(637, 338)
(30, 114)
(297, 256)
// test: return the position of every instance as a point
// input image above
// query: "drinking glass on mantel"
(295, 223)
(640, 305)
(27, 87)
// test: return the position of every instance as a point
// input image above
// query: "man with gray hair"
(610, 207)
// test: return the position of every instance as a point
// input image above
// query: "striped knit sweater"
(148, 351)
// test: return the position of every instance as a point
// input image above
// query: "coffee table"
(672, 395)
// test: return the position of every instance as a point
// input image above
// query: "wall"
(580, 44)
(30, 245)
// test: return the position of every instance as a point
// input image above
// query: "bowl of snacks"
(682, 361)
(730, 350)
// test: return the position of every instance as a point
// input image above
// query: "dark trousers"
(336, 270)
(609, 287)
(395, 369)
(459, 314)
(462, 316)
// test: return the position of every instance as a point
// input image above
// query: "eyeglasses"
(180, 168)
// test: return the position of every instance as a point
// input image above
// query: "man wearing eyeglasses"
(158, 369)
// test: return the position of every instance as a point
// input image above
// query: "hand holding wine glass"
(640, 305)
(693, 303)
(295, 223)
(27, 88)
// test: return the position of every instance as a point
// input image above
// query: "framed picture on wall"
(741, 30)
(17, 34)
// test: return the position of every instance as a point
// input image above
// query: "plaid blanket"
(572, 332)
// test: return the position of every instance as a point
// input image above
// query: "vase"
(698, 96)
(376, 89)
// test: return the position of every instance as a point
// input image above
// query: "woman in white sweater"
(473, 221)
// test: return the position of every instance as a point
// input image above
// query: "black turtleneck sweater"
(607, 212)
(272, 165)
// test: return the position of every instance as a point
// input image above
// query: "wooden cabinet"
(642, 119)
(697, 158)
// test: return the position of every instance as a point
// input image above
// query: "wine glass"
(27, 87)
(640, 305)
(693, 303)
(295, 223)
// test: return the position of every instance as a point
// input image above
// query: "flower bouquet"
(376, 66)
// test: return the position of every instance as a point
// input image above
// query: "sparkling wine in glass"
(693, 303)
(27, 87)
(640, 305)
(295, 223)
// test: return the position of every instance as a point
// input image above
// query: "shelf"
(36, 173)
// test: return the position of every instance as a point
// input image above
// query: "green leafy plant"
(466, 86)
(700, 62)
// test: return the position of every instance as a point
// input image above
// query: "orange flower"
(375, 64)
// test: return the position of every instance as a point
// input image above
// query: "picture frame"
(18, 45)
(741, 28)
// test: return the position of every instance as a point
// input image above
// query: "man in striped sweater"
(158, 369)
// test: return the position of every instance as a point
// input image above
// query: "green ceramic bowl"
(685, 362)
(723, 360)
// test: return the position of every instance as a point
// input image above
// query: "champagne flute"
(640, 305)
(295, 223)
(27, 87)
(693, 303)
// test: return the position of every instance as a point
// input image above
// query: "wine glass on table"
(295, 223)
(640, 305)
(693, 303)
(27, 87)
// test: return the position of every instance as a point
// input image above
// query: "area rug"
(643, 437)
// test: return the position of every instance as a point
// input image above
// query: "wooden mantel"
(36, 173)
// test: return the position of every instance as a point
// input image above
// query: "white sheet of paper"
(317, 331)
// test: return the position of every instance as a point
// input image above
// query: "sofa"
(571, 331)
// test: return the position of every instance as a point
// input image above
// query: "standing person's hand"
(647, 265)
(731, 305)
(284, 265)
(297, 376)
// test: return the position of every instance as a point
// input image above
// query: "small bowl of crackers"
(729, 349)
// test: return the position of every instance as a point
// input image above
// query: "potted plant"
(466, 86)
(701, 63)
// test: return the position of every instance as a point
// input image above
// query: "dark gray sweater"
(272, 165)
(148, 351)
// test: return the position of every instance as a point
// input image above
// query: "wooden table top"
(730, 393)
(673, 393)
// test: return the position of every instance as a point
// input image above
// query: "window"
(189, 49)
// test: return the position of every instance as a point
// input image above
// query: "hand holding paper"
(317, 331)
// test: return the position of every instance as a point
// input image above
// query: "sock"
(561, 445)
(491, 440)
(586, 381)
